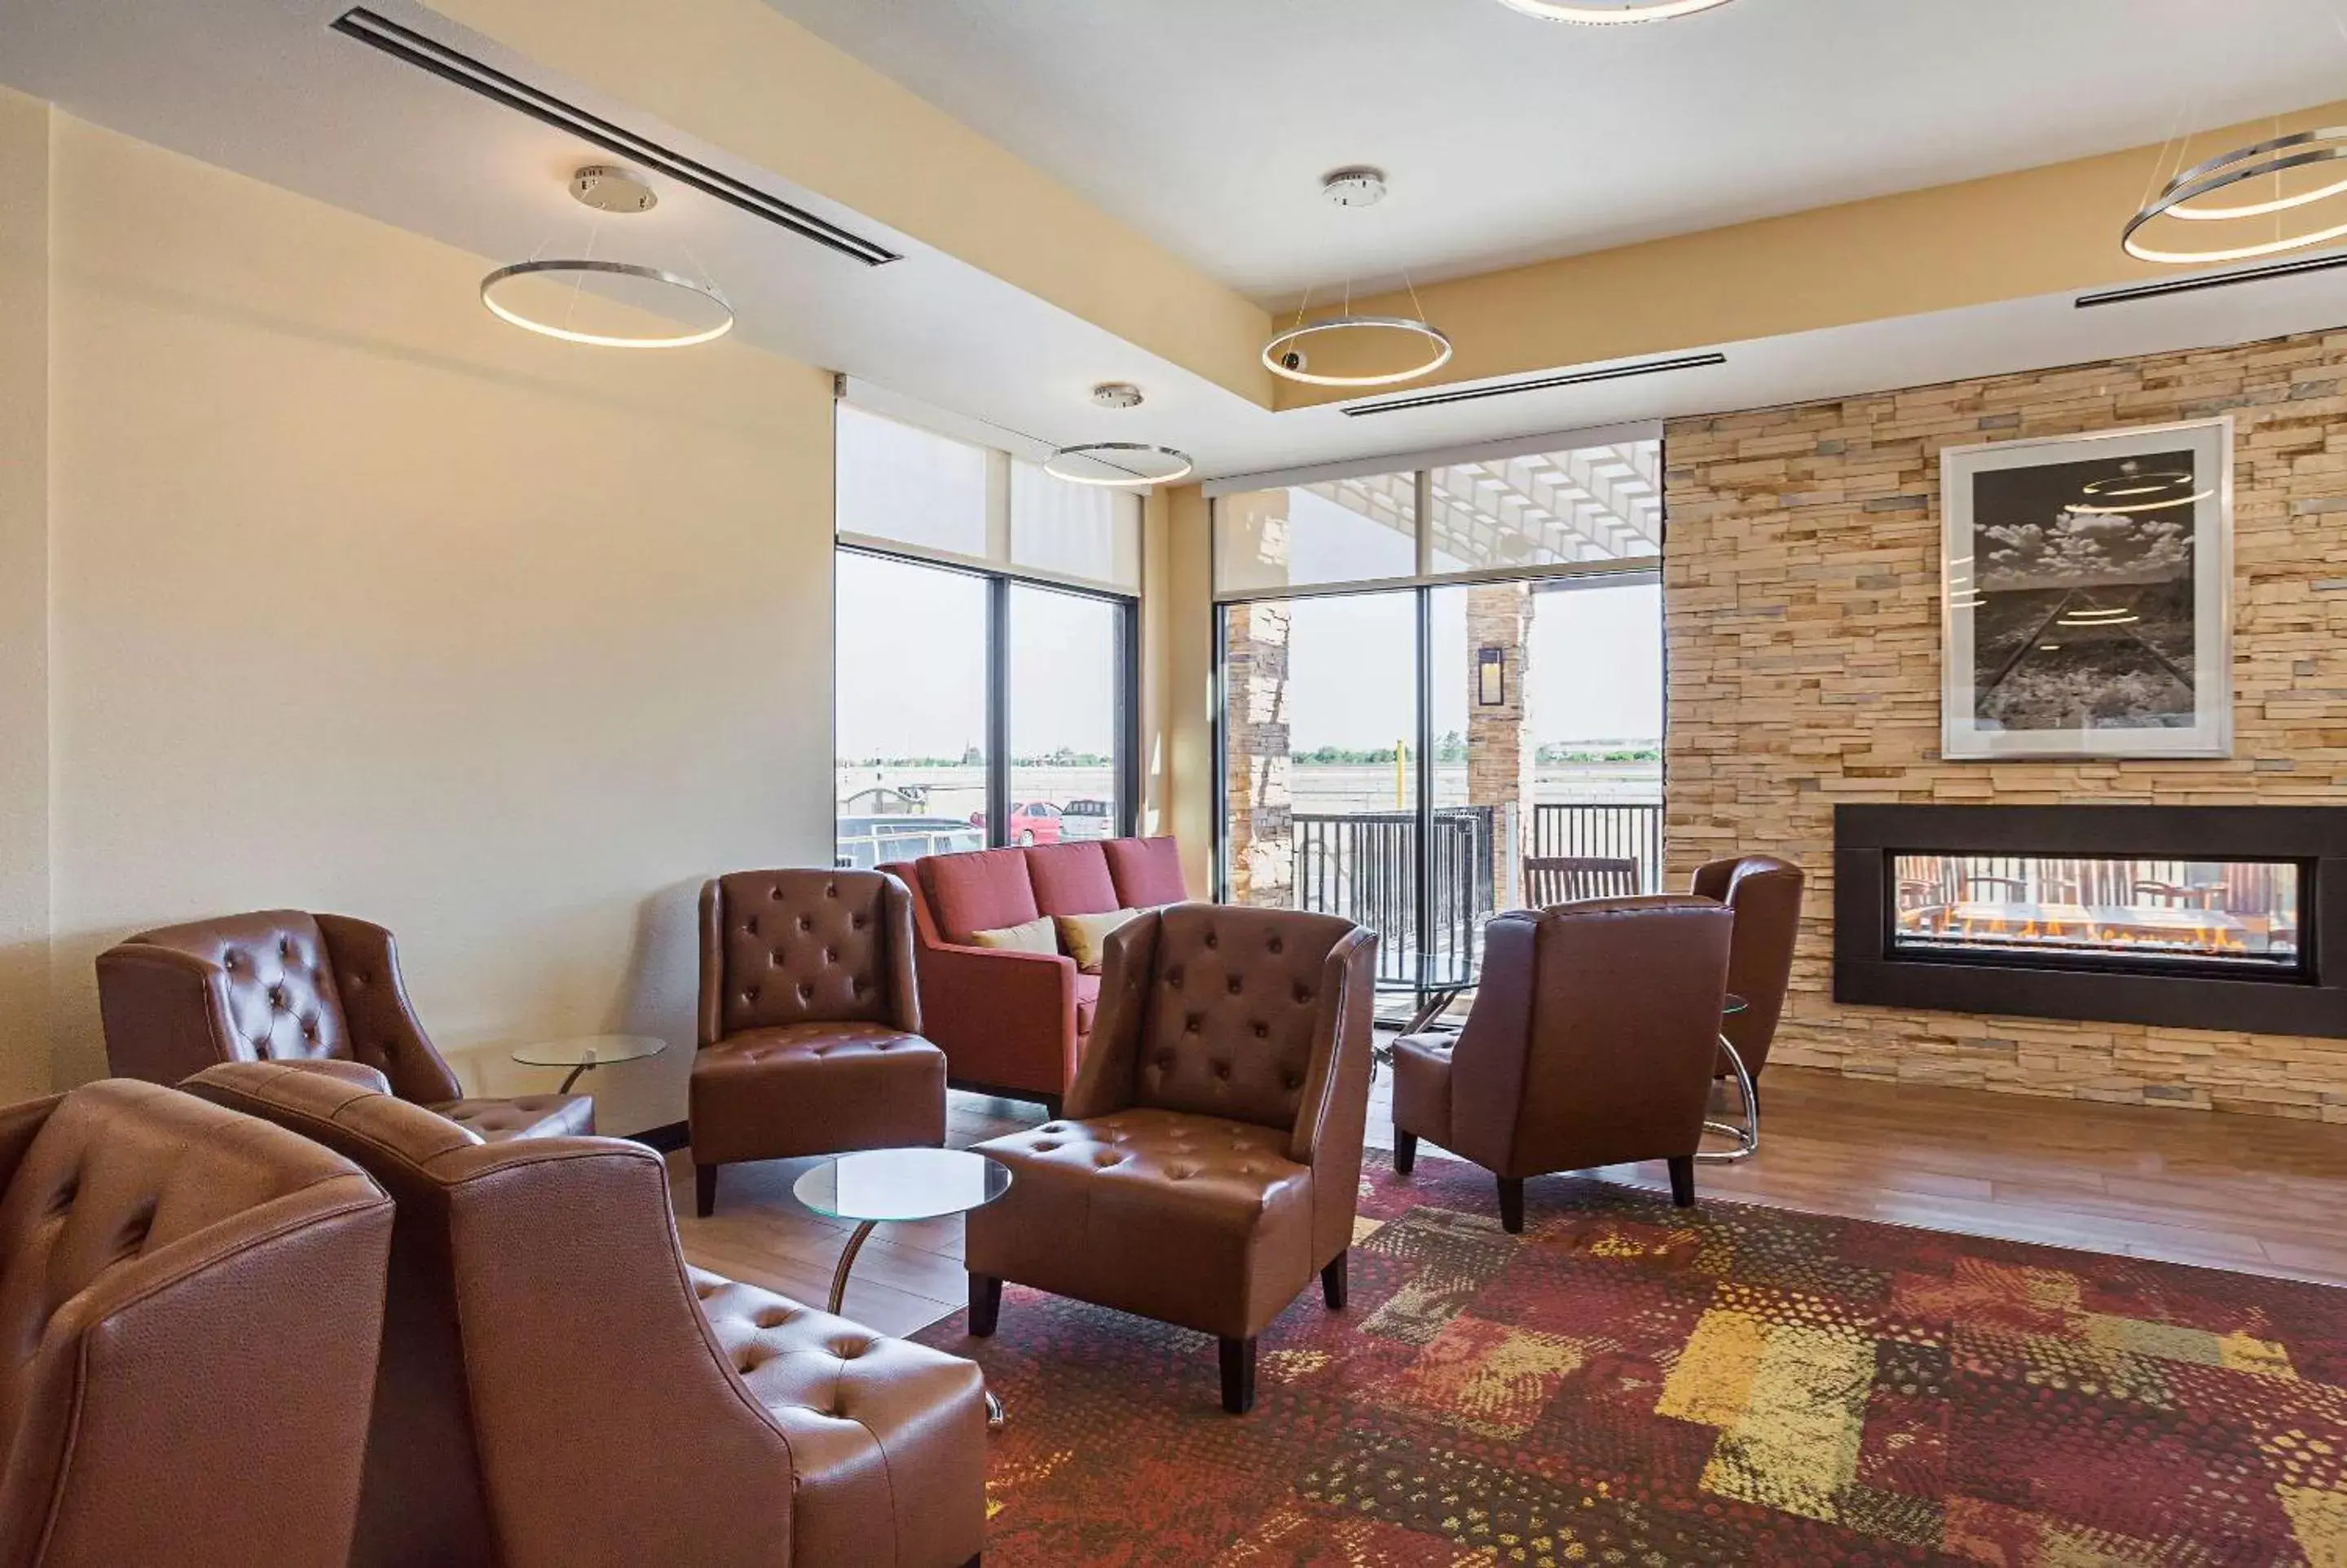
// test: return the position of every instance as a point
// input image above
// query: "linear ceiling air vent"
(413, 48)
(2211, 280)
(1535, 383)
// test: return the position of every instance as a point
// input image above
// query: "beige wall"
(365, 601)
(24, 597)
(1802, 584)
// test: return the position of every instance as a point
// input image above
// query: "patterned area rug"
(1630, 1384)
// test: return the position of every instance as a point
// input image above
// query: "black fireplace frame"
(2310, 1000)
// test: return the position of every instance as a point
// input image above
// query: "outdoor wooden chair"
(1574, 879)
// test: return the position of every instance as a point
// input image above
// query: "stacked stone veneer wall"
(1802, 577)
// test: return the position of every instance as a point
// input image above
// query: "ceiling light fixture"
(1595, 13)
(2187, 199)
(1285, 357)
(650, 297)
(1119, 465)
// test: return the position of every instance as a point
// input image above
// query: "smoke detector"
(607, 187)
(1117, 394)
(1358, 186)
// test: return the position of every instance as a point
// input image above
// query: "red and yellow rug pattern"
(1630, 1384)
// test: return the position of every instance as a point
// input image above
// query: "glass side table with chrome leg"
(1747, 1135)
(585, 1053)
(887, 1186)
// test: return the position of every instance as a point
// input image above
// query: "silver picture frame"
(2087, 595)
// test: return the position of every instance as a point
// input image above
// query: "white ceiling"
(263, 87)
(1207, 124)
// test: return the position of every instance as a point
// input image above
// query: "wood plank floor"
(2247, 1193)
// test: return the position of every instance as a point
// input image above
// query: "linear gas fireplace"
(2199, 918)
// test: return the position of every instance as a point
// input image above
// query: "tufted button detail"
(702, 1290)
(749, 925)
(1303, 994)
(1223, 1071)
(1293, 1083)
(1044, 1148)
(1189, 1025)
(749, 993)
(1276, 945)
(1237, 985)
(831, 955)
(831, 891)
(1106, 1158)
(1263, 1031)
(231, 958)
(773, 1316)
(855, 988)
(285, 947)
(1212, 941)
(1173, 978)
(806, 992)
(849, 1350)
(1055, 1127)
(1165, 1061)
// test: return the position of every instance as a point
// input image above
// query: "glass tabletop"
(903, 1184)
(588, 1051)
(1732, 1005)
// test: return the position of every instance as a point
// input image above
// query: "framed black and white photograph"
(2089, 595)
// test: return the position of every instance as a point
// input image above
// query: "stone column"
(1259, 794)
(1500, 759)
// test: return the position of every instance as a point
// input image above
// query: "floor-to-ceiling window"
(1434, 676)
(984, 672)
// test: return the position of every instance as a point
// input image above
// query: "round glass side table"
(587, 1052)
(880, 1186)
(1748, 1136)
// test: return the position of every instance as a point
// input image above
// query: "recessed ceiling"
(1207, 124)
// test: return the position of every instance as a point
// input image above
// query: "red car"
(1036, 823)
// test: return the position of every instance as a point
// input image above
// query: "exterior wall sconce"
(1491, 677)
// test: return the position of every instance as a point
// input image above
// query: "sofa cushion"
(1147, 872)
(1036, 936)
(984, 890)
(1085, 938)
(1072, 878)
(523, 1116)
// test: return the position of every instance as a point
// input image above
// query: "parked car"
(864, 842)
(1038, 823)
(1088, 819)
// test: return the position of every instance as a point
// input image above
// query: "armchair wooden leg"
(1683, 1180)
(704, 1189)
(985, 1305)
(1512, 1205)
(1405, 1151)
(1334, 1284)
(1238, 1376)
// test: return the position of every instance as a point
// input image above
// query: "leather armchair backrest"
(1229, 1021)
(1766, 894)
(509, 1248)
(191, 1299)
(1592, 1035)
(245, 987)
(780, 948)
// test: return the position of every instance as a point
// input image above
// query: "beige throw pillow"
(1032, 936)
(1085, 936)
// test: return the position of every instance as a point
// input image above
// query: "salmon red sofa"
(1013, 1023)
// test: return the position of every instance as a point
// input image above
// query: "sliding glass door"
(1418, 756)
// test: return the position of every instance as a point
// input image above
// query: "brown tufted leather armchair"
(1210, 1157)
(281, 985)
(1766, 894)
(1592, 1040)
(810, 1024)
(191, 1302)
(559, 1390)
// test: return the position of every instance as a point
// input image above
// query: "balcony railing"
(1364, 867)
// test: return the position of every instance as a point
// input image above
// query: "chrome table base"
(1747, 1136)
(995, 1419)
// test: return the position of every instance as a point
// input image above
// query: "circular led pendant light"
(2187, 198)
(1282, 356)
(1597, 13)
(1119, 465)
(632, 305)
(1285, 355)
